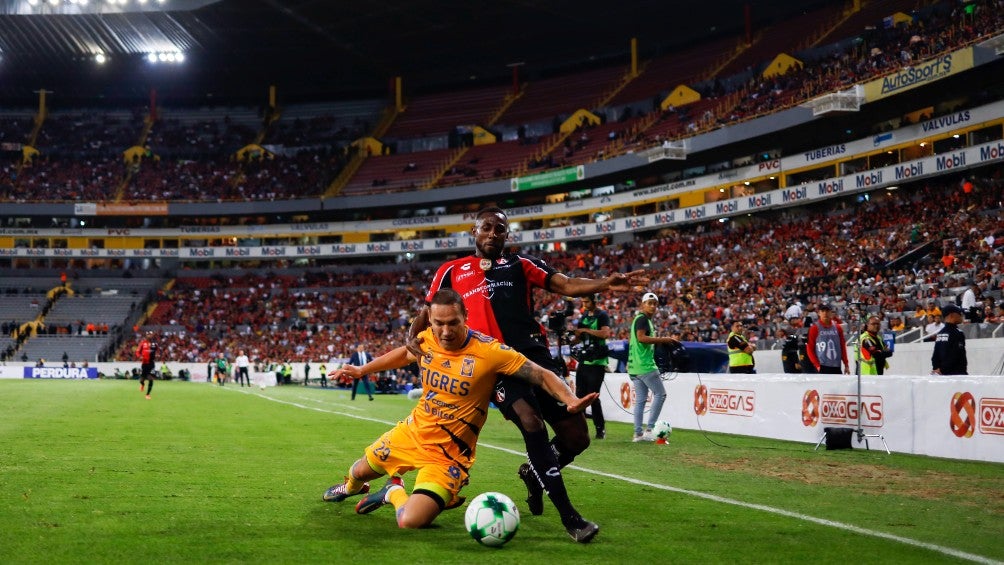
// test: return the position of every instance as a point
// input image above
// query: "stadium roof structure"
(234, 49)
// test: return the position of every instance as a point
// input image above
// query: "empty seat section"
(439, 113)
(786, 36)
(871, 14)
(396, 173)
(545, 99)
(490, 162)
(665, 73)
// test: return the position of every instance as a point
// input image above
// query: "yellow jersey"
(457, 387)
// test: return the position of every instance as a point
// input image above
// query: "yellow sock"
(397, 497)
(352, 484)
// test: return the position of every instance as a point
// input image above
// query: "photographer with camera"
(590, 350)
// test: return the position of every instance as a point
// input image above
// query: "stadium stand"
(841, 256)
(396, 173)
(191, 150)
(438, 114)
(750, 269)
(557, 98)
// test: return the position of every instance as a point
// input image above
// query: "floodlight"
(152, 57)
(100, 58)
(179, 57)
(32, 2)
(162, 57)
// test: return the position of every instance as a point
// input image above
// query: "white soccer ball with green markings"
(492, 519)
(662, 430)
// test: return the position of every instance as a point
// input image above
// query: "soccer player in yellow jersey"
(440, 435)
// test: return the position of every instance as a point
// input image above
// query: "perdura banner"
(60, 373)
(550, 178)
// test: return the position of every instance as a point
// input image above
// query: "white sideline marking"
(712, 497)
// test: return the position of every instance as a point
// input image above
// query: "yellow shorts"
(399, 451)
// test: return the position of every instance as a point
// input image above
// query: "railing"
(453, 159)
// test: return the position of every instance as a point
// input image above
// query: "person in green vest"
(642, 369)
(324, 375)
(872, 350)
(740, 350)
(222, 368)
(592, 332)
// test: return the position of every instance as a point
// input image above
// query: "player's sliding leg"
(355, 482)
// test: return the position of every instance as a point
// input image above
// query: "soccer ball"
(662, 430)
(414, 394)
(492, 519)
(262, 385)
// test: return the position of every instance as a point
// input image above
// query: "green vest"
(868, 366)
(641, 356)
(738, 357)
(593, 322)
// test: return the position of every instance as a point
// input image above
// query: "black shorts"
(146, 369)
(509, 389)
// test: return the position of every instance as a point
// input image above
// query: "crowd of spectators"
(317, 316)
(756, 271)
(771, 272)
(881, 50)
(203, 140)
(272, 177)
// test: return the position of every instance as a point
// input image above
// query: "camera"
(672, 358)
(589, 352)
(556, 320)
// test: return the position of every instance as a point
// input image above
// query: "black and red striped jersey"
(498, 294)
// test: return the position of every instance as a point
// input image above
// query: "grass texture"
(91, 472)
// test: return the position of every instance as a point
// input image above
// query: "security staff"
(740, 351)
(949, 356)
(872, 350)
(789, 351)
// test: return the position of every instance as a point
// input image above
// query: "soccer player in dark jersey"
(497, 288)
(147, 353)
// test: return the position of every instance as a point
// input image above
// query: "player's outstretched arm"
(578, 286)
(393, 359)
(547, 380)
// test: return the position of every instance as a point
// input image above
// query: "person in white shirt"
(932, 328)
(969, 303)
(794, 312)
(242, 363)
